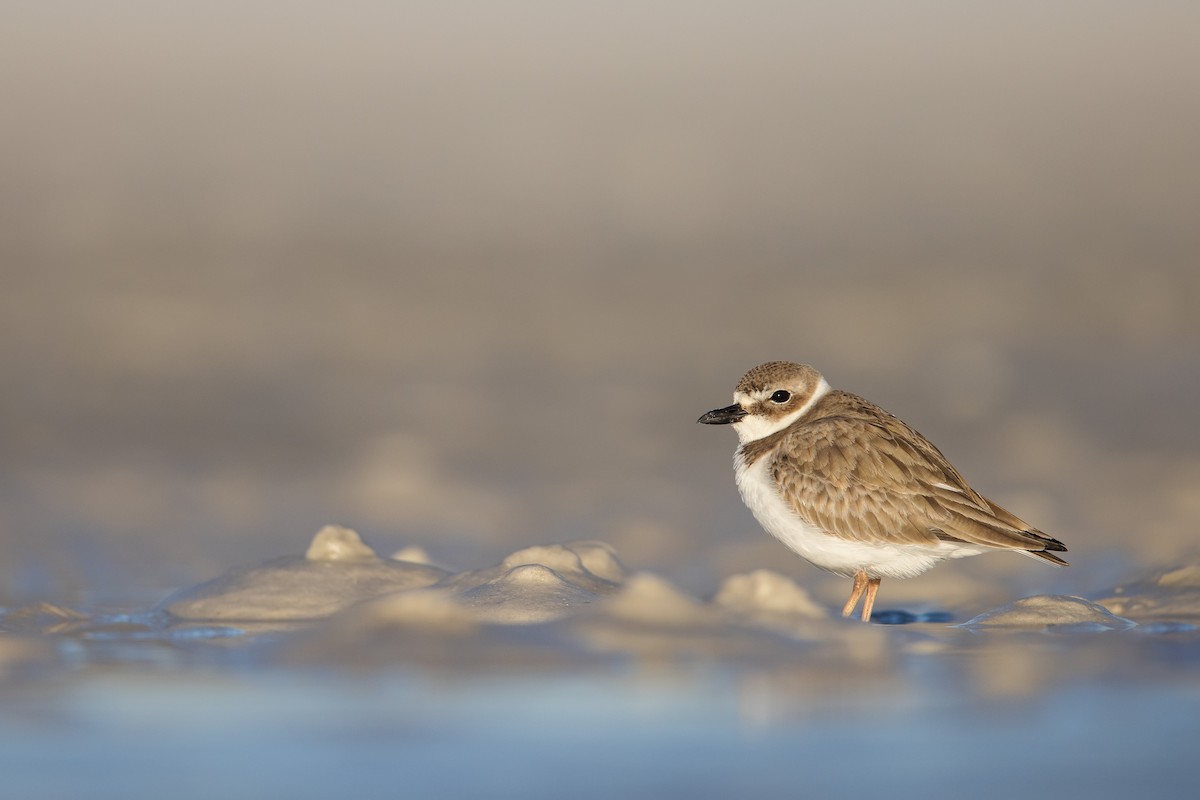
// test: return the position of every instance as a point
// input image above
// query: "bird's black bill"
(723, 416)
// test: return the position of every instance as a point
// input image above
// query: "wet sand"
(562, 668)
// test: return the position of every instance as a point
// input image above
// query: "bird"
(853, 489)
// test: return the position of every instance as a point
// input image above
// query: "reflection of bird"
(854, 490)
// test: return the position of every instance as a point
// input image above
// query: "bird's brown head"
(768, 398)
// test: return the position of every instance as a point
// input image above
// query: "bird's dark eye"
(781, 397)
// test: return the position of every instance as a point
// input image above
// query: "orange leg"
(860, 583)
(869, 602)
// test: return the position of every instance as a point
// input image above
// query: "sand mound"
(1050, 612)
(764, 592)
(337, 571)
(539, 583)
(1169, 595)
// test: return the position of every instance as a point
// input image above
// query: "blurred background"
(465, 274)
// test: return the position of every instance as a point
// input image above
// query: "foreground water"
(557, 673)
(135, 734)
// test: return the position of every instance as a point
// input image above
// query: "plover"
(854, 490)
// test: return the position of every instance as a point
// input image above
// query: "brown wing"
(866, 476)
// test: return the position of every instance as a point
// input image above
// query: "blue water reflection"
(698, 734)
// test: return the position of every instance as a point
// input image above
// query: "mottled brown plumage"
(862, 474)
(855, 490)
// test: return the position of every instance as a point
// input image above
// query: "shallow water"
(538, 688)
(131, 715)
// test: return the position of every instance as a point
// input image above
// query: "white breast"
(824, 550)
